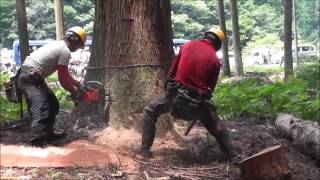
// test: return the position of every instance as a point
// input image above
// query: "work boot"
(39, 141)
(225, 142)
(146, 144)
(55, 135)
(148, 134)
(146, 153)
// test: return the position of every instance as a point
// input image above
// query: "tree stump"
(269, 164)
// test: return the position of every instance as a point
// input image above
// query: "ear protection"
(214, 40)
(71, 36)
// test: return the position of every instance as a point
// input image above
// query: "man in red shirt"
(42, 104)
(193, 77)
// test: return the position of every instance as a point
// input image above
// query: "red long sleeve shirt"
(196, 66)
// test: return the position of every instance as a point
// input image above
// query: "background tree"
(288, 62)
(59, 19)
(260, 22)
(8, 23)
(236, 38)
(189, 19)
(308, 18)
(22, 29)
(134, 32)
(79, 13)
(225, 59)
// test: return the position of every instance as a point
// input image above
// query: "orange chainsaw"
(91, 92)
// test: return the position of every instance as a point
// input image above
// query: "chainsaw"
(91, 92)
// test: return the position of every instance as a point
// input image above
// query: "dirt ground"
(175, 156)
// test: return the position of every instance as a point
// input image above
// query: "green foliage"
(62, 97)
(257, 18)
(41, 23)
(41, 20)
(309, 72)
(9, 110)
(262, 41)
(3, 79)
(264, 69)
(251, 97)
(53, 77)
(190, 18)
(7, 23)
(308, 20)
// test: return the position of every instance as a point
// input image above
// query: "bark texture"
(131, 33)
(236, 37)
(305, 134)
(288, 61)
(222, 23)
(58, 7)
(22, 29)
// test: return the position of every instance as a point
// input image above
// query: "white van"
(258, 57)
(305, 53)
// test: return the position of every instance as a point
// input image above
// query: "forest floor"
(175, 156)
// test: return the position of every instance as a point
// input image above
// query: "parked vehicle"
(305, 53)
(177, 43)
(258, 56)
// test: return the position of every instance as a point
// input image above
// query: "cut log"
(305, 134)
(269, 164)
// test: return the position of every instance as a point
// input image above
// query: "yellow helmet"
(218, 32)
(80, 32)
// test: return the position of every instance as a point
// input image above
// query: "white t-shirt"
(47, 58)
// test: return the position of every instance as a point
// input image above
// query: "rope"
(126, 66)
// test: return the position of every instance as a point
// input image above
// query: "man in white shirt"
(42, 104)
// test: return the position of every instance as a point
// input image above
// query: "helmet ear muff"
(214, 39)
(71, 36)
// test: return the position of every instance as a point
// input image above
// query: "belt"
(196, 94)
(27, 69)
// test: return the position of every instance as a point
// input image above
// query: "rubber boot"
(225, 142)
(148, 134)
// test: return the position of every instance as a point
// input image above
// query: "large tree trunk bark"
(304, 134)
(225, 60)
(134, 33)
(22, 29)
(288, 61)
(99, 43)
(236, 37)
(58, 7)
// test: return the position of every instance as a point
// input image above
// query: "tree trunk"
(269, 164)
(225, 60)
(288, 61)
(134, 33)
(236, 37)
(22, 29)
(58, 12)
(95, 69)
(304, 134)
